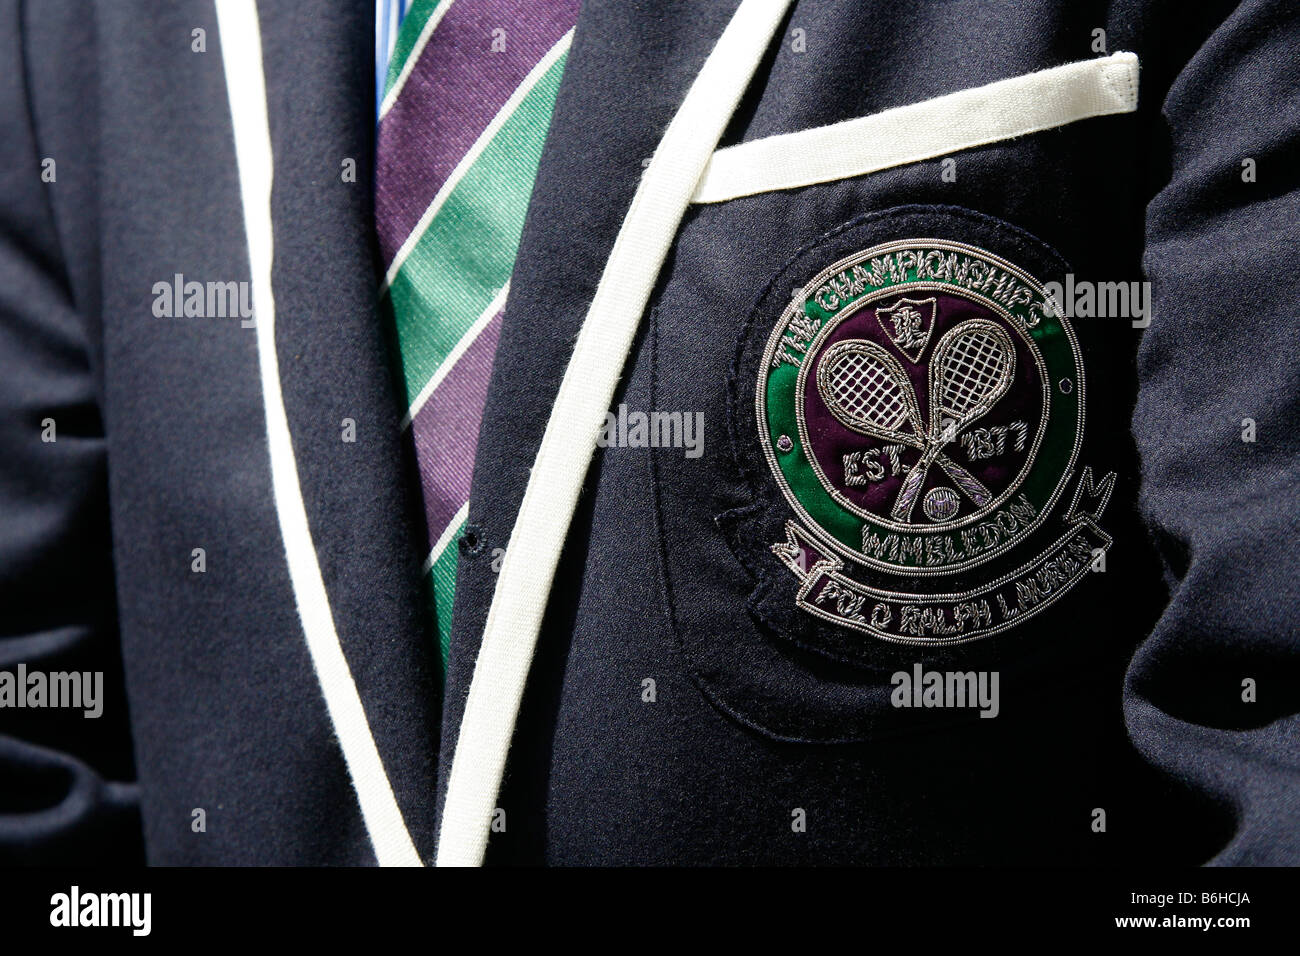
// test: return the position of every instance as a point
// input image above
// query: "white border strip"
(241, 54)
(936, 127)
(471, 334)
(468, 160)
(444, 539)
(416, 52)
(647, 233)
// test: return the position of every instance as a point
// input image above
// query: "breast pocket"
(894, 473)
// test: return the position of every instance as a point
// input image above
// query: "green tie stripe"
(442, 578)
(467, 250)
(417, 18)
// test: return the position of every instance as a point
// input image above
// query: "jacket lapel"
(627, 73)
(339, 387)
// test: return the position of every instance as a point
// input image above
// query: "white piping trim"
(241, 54)
(496, 305)
(416, 51)
(935, 127)
(468, 160)
(533, 551)
(444, 539)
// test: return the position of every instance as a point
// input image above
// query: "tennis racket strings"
(971, 369)
(866, 389)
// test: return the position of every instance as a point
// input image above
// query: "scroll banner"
(831, 594)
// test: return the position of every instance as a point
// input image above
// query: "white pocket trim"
(936, 127)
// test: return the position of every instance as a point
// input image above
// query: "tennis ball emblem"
(941, 504)
(912, 407)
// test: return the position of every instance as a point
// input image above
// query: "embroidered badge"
(921, 406)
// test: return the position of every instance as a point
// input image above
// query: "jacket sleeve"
(66, 794)
(1212, 697)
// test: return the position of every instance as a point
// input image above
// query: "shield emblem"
(908, 323)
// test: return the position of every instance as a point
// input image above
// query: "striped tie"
(468, 100)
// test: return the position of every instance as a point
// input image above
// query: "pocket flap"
(907, 134)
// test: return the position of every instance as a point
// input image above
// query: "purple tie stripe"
(451, 95)
(445, 429)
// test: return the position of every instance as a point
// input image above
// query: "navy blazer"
(1125, 695)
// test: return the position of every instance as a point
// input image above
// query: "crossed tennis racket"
(867, 390)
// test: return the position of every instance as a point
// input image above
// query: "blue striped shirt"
(389, 15)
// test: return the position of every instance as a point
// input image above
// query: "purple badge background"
(830, 441)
